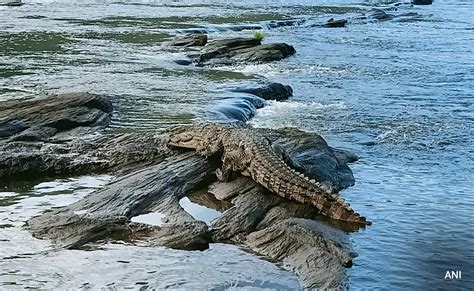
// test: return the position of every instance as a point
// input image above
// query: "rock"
(422, 2)
(238, 50)
(272, 91)
(376, 14)
(247, 211)
(107, 213)
(285, 231)
(193, 39)
(33, 17)
(39, 137)
(39, 118)
(335, 23)
(282, 23)
(263, 53)
(317, 253)
(310, 154)
(183, 62)
(223, 191)
(11, 3)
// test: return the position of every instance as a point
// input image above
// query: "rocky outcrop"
(376, 14)
(192, 39)
(335, 23)
(238, 50)
(373, 15)
(39, 137)
(40, 118)
(151, 177)
(11, 3)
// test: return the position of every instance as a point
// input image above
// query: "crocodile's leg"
(224, 173)
(230, 163)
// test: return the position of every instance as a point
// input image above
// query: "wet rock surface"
(39, 138)
(154, 178)
(310, 154)
(335, 23)
(272, 91)
(192, 39)
(40, 118)
(240, 50)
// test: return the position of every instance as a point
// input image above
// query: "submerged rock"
(422, 2)
(242, 107)
(335, 23)
(272, 91)
(376, 14)
(283, 23)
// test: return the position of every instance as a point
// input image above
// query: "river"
(399, 93)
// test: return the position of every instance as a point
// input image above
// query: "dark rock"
(381, 15)
(238, 27)
(193, 39)
(61, 112)
(12, 3)
(263, 53)
(272, 91)
(183, 62)
(336, 23)
(312, 156)
(237, 50)
(422, 2)
(33, 17)
(39, 137)
(11, 127)
(282, 23)
(222, 28)
(378, 14)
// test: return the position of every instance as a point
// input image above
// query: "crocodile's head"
(206, 140)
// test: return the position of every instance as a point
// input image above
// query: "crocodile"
(251, 154)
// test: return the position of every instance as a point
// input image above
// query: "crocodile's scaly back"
(244, 151)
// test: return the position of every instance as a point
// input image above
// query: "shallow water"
(397, 93)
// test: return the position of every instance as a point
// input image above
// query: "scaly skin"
(245, 151)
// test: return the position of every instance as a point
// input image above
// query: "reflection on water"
(26, 262)
(154, 218)
(199, 212)
(399, 94)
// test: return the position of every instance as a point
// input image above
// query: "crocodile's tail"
(332, 206)
(336, 208)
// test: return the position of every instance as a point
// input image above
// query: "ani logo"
(451, 275)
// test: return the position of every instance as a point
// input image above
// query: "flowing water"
(399, 93)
